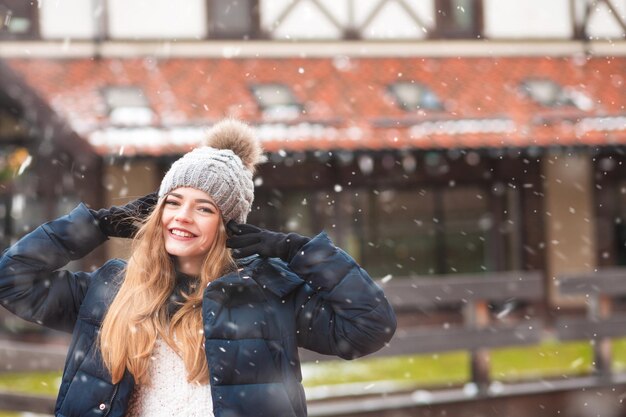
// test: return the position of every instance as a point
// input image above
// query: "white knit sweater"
(169, 393)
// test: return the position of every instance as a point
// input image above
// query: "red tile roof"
(345, 101)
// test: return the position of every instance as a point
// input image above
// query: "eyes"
(200, 207)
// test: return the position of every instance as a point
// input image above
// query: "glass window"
(283, 210)
(414, 96)
(18, 19)
(404, 232)
(276, 101)
(238, 19)
(128, 105)
(620, 225)
(426, 231)
(465, 222)
(550, 94)
(545, 92)
(399, 231)
(459, 18)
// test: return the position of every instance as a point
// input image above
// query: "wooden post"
(600, 307)
(476, 314)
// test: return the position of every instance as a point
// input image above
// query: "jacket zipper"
(117, 387)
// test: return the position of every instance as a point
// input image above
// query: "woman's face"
(190, 222)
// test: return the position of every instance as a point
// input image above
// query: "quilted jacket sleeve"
(341, 311)
(31, 284)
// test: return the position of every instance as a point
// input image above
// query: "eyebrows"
(197, 200)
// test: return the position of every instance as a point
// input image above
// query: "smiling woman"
(206, 317)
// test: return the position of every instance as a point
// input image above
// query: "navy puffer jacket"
(254, 319)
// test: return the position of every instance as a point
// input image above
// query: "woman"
(188, 327)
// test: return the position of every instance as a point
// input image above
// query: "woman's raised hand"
(246, 240)
(119, 221)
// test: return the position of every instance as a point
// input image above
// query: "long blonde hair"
(138, 313)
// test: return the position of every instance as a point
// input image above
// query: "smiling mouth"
(181, 233)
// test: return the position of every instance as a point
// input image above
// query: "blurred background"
(468, 153)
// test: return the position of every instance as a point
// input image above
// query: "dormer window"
(550, 94)
(128, 106)
(545, 92)
(411, 96)
(276, 101)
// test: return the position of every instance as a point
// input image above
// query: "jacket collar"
(242, 262)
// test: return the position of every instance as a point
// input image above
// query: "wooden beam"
(609, 281)
(12, 401)
(585, 329)
(423, 340)
(25, 357)
(427, 293)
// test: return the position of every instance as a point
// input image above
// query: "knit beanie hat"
(223, 169)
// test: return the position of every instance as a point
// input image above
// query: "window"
(238, 19)
(276, 101)
(610, 197)
(128, 106)
(399, 232)
(425, 231)
(459, 18)
(412, 96)
(18, 19)
(402, 232)
(285, 210)
(550, 94)
(465, 221)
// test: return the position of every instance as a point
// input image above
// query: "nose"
(182, 215)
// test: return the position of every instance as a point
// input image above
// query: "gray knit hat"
(223, 169)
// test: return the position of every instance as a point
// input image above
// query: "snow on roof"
(151, 140)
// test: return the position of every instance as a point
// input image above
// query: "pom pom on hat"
(223, 169)
(239, 138)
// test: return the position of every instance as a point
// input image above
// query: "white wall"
(157, 19)
(75, 19)
(527, 19)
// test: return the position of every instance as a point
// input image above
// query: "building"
(427, 137)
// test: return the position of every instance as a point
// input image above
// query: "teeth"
(181, 233)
